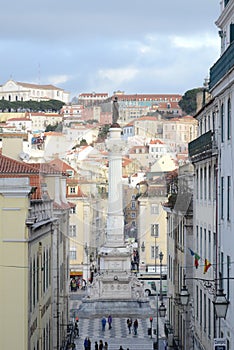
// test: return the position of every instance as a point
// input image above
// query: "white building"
(18, 91)
(212, 155)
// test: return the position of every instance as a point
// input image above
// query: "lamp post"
(221, 305)
(160, 312)
(161, 259)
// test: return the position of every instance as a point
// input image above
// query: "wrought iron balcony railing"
(202, 147)
(224, 64)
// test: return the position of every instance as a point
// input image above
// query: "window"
(229, 119)
(201, 307)
(154, 209)
(221, 199)
(154, 252)
(209, 182)
(72, 190)
(155, 230)
(72, 254)
(209, 318)
(205, 184)
(209, 245)
(228, 197)
(201, 182)
(205, 239)
(204, 313)
(133, 215)
(73, 210)
(200, 241)
(72, 230)
(228, 276)
(133, 205)
(222, 122)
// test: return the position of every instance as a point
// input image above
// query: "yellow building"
(152, 227)
(33, 256)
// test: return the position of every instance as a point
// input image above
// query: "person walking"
(103, 323)
(89, 344)
(96, 345)
(100, 345)
(105, 346)
(86, 343)
(109, 321)
(121, 348)
(129, 324)
(135, 326)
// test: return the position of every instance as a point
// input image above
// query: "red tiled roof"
(155, 142)
(11, 166)
(60, 164)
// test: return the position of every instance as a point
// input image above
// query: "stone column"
(115, 218)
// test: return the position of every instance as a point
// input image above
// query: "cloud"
(103, 46)
(195, 42)
(118, 75)
(58, 79)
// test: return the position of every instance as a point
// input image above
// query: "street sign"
(220, 344)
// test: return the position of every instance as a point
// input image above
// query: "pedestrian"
(129, 324)
(105, 346)
(103, 323)
(96, 345)
(86, 343)
(100, 345)
(89, 344)
(110, 321)
(165, 344)
(135, 326)
(121, 348)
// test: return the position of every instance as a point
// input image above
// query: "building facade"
(19, 91)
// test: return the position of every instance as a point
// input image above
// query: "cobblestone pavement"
(118, 334)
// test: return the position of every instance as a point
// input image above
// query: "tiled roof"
(60, 164)
(47, 168)
(36, 86)
(12, 166)
(155, 142)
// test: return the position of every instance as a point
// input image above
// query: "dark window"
(222, 122)
(231, 32)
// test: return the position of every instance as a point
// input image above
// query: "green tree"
(103, 131)
(188, 103)
(57, 127)
(31, 106)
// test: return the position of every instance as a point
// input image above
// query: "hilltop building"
(19, 91)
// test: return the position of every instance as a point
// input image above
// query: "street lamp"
(184, 296)
(161, 312)
(161, 259)
(221, 304)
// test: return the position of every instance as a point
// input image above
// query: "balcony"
(224, 64)
(203, 147)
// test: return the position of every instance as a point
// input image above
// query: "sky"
(135, 46)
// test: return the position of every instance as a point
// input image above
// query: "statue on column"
(115, 114)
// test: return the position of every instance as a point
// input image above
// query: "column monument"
(115, 289)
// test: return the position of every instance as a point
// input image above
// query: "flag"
(192, 252)
(206, 266)
(196, 261)
(196, 256)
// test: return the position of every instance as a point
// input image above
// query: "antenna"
(39, 74)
